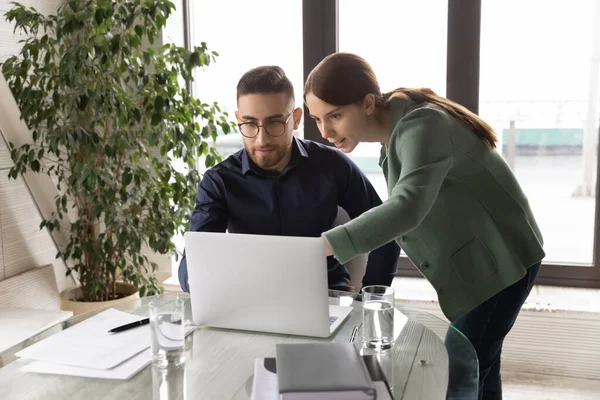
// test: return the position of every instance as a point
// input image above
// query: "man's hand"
(348, 288)
(328, 249)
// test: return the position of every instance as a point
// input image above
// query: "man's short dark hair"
(265, 79)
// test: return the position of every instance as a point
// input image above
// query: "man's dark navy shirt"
(302, 200)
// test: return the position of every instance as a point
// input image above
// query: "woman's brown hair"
(342, 79)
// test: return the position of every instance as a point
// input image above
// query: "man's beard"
(270, 160)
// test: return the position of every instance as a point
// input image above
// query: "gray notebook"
(322, 370)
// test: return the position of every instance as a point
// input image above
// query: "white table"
(220, 363)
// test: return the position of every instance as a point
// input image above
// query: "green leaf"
(83, 102)
(159, 103)
(195, 59)
(99, 16)
(139, 30)
(127, 176)
(107, 246)
(210, 161)
(35, 166)
(109, 151)
(156, 119)
(203, 148)
(115, 43)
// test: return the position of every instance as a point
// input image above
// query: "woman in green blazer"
(454, 205)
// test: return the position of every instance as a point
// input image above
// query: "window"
(403, 49)
(539, 90)
(174, 33)
(538, 87)
(246, 34)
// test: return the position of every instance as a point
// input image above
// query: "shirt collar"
(298, 151)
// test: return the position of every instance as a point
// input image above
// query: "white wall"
(23, 246)
(8, 41)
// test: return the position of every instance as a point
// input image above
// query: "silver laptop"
(261, 283)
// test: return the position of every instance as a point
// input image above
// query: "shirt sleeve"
(210, 215)
(357, 196)
(421, 145)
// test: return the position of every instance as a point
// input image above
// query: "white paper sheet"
(89, 345)
(123, 371)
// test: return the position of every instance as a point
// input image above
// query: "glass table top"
(429, 356)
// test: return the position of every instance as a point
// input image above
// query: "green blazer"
(454, 207)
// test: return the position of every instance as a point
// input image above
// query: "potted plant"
(109, 111)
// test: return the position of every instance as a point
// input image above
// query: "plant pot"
(68, 296)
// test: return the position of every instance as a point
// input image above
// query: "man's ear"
(297, 117)
(237, 115)
(369, 103)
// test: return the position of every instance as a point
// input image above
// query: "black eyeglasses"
(273, 128)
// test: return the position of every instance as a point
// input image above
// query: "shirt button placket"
(279, 207)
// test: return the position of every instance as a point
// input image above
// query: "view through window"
(402, 50)
(539, 90)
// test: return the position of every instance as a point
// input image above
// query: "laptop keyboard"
(332, 319)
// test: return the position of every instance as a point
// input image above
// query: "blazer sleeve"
(421, 145)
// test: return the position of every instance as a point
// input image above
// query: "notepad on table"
(265, 383)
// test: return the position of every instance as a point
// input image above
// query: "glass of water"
(378, 317)
(166, 325)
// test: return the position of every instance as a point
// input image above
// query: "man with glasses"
(281, 185)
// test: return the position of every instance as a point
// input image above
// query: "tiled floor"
(518, 386)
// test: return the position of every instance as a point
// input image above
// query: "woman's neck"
(380, 129)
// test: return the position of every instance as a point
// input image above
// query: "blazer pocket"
(473, 262)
